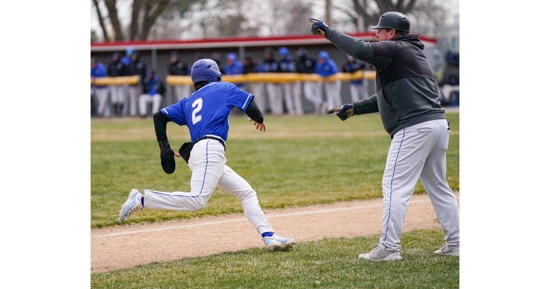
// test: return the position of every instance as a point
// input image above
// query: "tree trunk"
(134, 24)
(101, 22)
(153, 9)
(115, 22)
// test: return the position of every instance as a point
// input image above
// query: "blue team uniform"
(203, 113)
(99, 71)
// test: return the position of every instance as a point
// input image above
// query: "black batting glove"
(343, 112)
(318, 27)
(167, 160)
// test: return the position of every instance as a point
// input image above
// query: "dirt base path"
(127, 246)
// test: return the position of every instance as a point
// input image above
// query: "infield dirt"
(127, 246)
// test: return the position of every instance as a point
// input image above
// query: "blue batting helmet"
(283, 51)
(205, 70)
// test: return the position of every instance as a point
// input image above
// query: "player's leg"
(234, 184)
(115, 98)
(310, 95)
(337, 93)
(257, 88)
(103, 101)
(404, 164)
(331, 94)
(182, 91)
(132, 101)
(143, 101)
(207, 163)
(178, 94)
(354, 92)
(442, 197)
(275, 98)
(125, 99)
(288, 97)
(157, 101)
(319, 88)
(297, 93)
(405, 160)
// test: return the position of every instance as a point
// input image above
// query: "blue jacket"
(235, 68)
(153, 85)
(327, 69)
(98, 71)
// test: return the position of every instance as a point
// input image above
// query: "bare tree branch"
(152, 11)
(101, 22)
(134, 22)
(115, 22)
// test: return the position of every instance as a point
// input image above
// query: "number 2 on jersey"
(197, 105)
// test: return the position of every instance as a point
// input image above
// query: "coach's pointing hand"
(343, 111)
(318, 27)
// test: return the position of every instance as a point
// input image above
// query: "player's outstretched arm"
(255, 115)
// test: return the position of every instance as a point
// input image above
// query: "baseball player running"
(206, 114)
(411, 113)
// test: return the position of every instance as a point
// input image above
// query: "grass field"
(299, 161)
(329, 263)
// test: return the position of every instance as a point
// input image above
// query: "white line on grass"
(244, 219)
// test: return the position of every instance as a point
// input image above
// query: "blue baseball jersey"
(206, 112)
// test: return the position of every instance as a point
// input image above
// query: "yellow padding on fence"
(277, 77)
(118, 80)
(251, 77)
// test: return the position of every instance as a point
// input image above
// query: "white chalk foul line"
(244, 219)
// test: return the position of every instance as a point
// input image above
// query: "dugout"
(156, 53)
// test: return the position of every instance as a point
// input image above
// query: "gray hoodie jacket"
(406, 94)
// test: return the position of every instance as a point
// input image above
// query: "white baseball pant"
(312, 92)
(357, 92)
(257, 89)
(145, 99)
(103, 107)
(182, 91)
(332, 90)
(275, 98)
(418, 151)
(291, 92)
(207, 163)
(131, 106)
(117, 94)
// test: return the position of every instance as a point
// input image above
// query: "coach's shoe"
(278, 243)
(381, 254)
(449, 251)
(132, 205)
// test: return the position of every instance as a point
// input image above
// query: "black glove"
(318, 27)
(167, 160)
(185, 151)
(343, 111)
